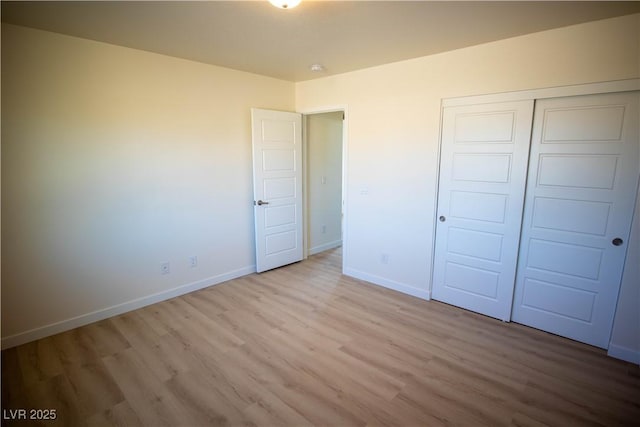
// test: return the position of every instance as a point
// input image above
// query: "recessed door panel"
(480, 198)
(278, 216)
(577, 170)
(580, 199)
(583, 125)
(478, 206)
(559, 214)
(280, 188)
(277, 243)
(558, 300)
(477, 244)
(481, 167)
(477, 282)
(494, 127)
(279, 131)
(565, 258)
(279, 160)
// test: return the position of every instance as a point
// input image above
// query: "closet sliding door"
(551, 194)
(580, 199)
(480, 200)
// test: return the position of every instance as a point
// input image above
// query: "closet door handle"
(617, 241)
(442, 218)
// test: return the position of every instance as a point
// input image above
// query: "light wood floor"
(304, 345)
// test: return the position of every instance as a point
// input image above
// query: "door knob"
(442, 218)
(617, 241)
(260, 203)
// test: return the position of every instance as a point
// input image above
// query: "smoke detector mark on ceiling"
(285, 4)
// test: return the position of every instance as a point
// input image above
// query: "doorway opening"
(323, 177)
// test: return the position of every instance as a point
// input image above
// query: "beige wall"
(324, 160)
(394, 113)
(115, 160)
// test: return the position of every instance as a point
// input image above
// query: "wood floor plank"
(160, 359)
(282, 372)
(147, 314)
(205, 328)
(399, 362)
(206, 402)
(59, 394)
(203, 302)
(535, 361)
(271, 411)
(38, 361)
(343, 366)
(105, 338)
(120, 415)
(548, 399)
(224, 370)
(73, 347)
(94, 388)
(304, 345)
(14, 395)
(147, 396)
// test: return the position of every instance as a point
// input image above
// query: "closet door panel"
(481, 190)
(580, 197)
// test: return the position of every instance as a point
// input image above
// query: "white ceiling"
(256, 37)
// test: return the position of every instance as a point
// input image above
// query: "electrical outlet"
(384, 258)
(193, 261)
(165, 268)
(324, 229)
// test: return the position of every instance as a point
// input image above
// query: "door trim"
(552, 92)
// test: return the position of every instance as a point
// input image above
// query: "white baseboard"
(95, 316)
(624, 353)
(390, 284)
(325, 247)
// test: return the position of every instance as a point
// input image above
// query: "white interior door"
(480, 200)
(580, 199)
(277, 187)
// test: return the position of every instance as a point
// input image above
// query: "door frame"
(552, 92)
(305, 185)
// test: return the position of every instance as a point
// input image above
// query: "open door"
(277, 187)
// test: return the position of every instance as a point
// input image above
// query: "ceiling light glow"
(285, 4)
